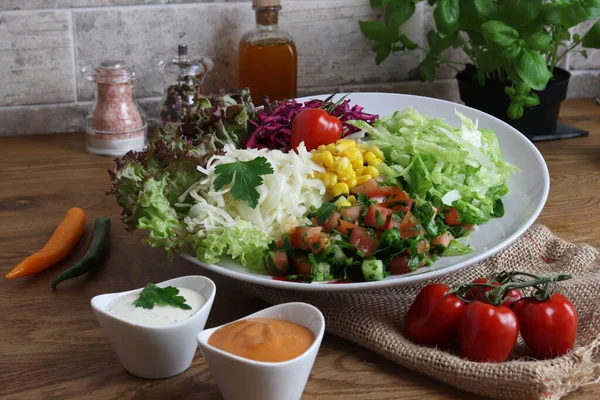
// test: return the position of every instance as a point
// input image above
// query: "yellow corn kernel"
(344, 144)
(363, 179)
(352, 153)
(369, 156)
(330, 147)
(351, 199)
(319, 175)
(318, 158)
(375, 162)
(321, 148)
(327, 158)
(378, 153)
(374, 172)
(346, 173)
(351, 182)
(339, 189)
(357, 163)
(343, 203)
(329, 179)
(360, 171)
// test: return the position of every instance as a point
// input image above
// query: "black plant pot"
(537, 123)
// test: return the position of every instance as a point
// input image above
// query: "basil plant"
(518, 42)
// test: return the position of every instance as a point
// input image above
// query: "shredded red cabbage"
(273, 130)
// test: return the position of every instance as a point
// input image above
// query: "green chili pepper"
(96, 252)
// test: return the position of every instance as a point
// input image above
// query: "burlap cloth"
(374, 319)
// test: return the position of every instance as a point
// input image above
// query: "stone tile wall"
(45, 43)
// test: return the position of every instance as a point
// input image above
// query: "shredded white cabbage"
(284, 197)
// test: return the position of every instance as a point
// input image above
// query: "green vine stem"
(543, 287)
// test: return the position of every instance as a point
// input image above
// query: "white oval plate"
(528, 192)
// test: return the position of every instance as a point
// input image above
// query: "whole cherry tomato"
(434, 316)
(548, 327)
(487, 333)
(314, 127)
(478, 293)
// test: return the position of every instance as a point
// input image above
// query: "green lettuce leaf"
(460, 167)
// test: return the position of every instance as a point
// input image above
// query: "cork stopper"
(266, 3)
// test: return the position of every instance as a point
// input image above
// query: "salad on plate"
(314, 191)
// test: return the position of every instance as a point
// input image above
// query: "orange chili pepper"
(61, 243)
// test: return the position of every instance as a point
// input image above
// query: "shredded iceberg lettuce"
(459, 167)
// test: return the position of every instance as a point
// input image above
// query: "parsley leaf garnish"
(244, 177)
(167, 296)
(325, 212)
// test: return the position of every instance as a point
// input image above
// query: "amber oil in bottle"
(267, 56)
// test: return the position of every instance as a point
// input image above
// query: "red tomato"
(351, 214)
(548, 327)
(377, 217)
(442, 240)
(360, 238)
(304, 237)
(300, 263)
(422, 246)
(434, 316)
(277, 264)
(394, 221)
(344, 226)
(451, 217)
(478, 293)
(487, 333)
(371, 188)
(314, 127)
(409, 227)
(399, 265)
(332, 222)
(399, 201)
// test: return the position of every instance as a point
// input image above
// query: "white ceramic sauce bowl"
(240, 378)
(156, 352)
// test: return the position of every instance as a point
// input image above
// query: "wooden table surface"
(52, 347)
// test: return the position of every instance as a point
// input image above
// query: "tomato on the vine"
(548, 327)
(479, 292)
(434, 316)
(487, 333)
(314, 127)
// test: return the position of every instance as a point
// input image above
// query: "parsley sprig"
(244, 177)
(167, 296)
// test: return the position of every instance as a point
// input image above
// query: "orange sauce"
(263, 339)
(269, 68)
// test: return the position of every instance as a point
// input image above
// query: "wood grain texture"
(52, 347)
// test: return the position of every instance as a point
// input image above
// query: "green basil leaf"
(532, 69)
(511, 53)
(373, 30)
(515, 110)
(487, 9)
(592, 38)
(573, 14)
(550, 13)
(540, 41)
(470, 20)
(377, 3)
(521, 89)
(520, 12)
(584, 54)
(399, 12)
(383, 52)
(427, 69)
(498, 33)
(446, 16)
(531, 100)
(406, 42)
(437, 43)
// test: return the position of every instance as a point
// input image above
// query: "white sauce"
(122, 307)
